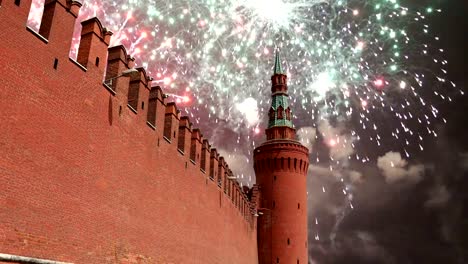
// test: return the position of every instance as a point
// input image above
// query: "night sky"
(421, 220)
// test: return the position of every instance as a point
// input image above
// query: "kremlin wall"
(95, 172)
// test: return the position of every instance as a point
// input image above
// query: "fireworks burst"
(370, 67)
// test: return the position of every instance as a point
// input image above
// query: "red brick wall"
(81, 183)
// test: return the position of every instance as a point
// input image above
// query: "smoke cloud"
(249, 109)
(396, 169)
(464, 161)
(355, 176)
(307, 137)
(238, 162)
(339, 143)
(438, 197)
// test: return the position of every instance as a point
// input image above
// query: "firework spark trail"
(348, 61)
(339, 219)
(344, 57)
(119, 35)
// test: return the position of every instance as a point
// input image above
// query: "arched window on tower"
(271, 114)
(288, 113)
(280, 112)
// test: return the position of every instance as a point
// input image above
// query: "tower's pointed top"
(278, 69)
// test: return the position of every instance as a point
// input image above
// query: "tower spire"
(278, 69)
(281, 165)
(280, 115)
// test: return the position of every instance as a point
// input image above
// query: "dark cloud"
(415, 217)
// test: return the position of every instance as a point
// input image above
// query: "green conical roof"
(278, 68)
(280, 111)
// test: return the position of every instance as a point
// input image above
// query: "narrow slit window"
(289, 242)
(17, 2)
(120, 110)
(97, 61)
(55, 63)
(142, 105)
(298, 206)
(271, 114)
(280, 112)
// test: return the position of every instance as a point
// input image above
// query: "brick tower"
(281, 165)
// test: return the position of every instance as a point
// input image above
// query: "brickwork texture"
(88, 175)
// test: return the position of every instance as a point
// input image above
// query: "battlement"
(119, 124)
(134, 88)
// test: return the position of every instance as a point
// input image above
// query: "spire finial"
(278, 69)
